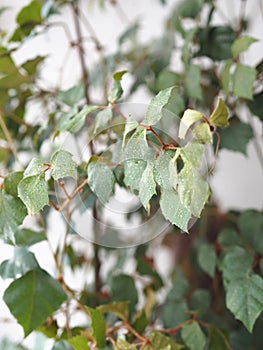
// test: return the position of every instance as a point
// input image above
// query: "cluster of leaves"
(218, 275)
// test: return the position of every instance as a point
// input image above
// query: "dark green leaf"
(256, 105)
(236, 137)
(180, 288)
(22, 262)
(250, 224)
(244, 299)
(193, 82)
(219, 117)
(216, 42)
(101, 180)
(123, 289)
(79, 342)
(11, 182)
(26, 237)
(98, 326)
(207, 259)
(32, 298)
(174, 313)
(144, 268)
(229, 237)
(31, 66)
(173, 210)
(243, 81)
(189, 8)
(147, 186)
(241, 44)
(72, 96)
(193, 336)
(200, 301)
(158, 105)
(62, 165)
(217, 339)
(33, 192)
(12, 214)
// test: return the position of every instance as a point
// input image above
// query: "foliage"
(214, 298)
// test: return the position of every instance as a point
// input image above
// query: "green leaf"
(147, 186)
(217, 339)
(98, 326)
(145, 269)
(33, 192)
(202, 133)
(216, 42)
(255, 106)
(62, 165)
(74, 122)
(229, 237)
(242, 44)
(116, 89)
(31, 66)
(123, 289)
(35, 167)
(173, 210)
(129, 126)
(11, 182)
(158, 105)
(79, 343)
(6, 344)
(226, 77)
(189, 117)
(174, 313)
(193, 82)
(101, 180)
(62, 345)
(193, 152)
(189, 8)
(12, 214)
(244, 299)
(207, 259)
(236, 137)
(165, 172)
(122, 344)
(193, 189)
(102, 118)
(180, 288)
(243, 80)
(32, 298)
(133, 170)
(72, 96)
(219, 117)
(22, 262)
(119, 309)
(250, 224)
(193, 336)
(166, 79)
(7, 65)
(26, 237)
(161, 342)
(200, 301)
(236, 264)
(137, 147)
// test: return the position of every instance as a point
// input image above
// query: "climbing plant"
(65, 172)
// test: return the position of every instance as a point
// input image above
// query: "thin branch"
(73, 195)
(10, 140)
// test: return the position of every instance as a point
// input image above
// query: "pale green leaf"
(165, 171)
(34, 297)
(120, 309)
(244, 298)
(226, 77)
(193, 189)
(73, 122)
(11, 182)
(137, 147)
(242, 44)
(250, 224)
(202, 133)
(33, 192)
(116, 89)
(219, 117)
(12, 214)
(174, 313)
(129, 126)
(133, 170)
(236, 137)
(122, 344)
(102, 118)
(26, 237)
(62, 165)
(173, 210)
(207, 259)
(160, 341)
(229, 237)
(147, 186)
(158, 105)
(72, 96)
(190, 117)
(35, 167)
(243, 81)
(22, 262)
(62, 345)
(193, 82)
(101, 180)
(98, 326)
(123, 289)
(79, 342)
(193, 152)
(193, 336)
